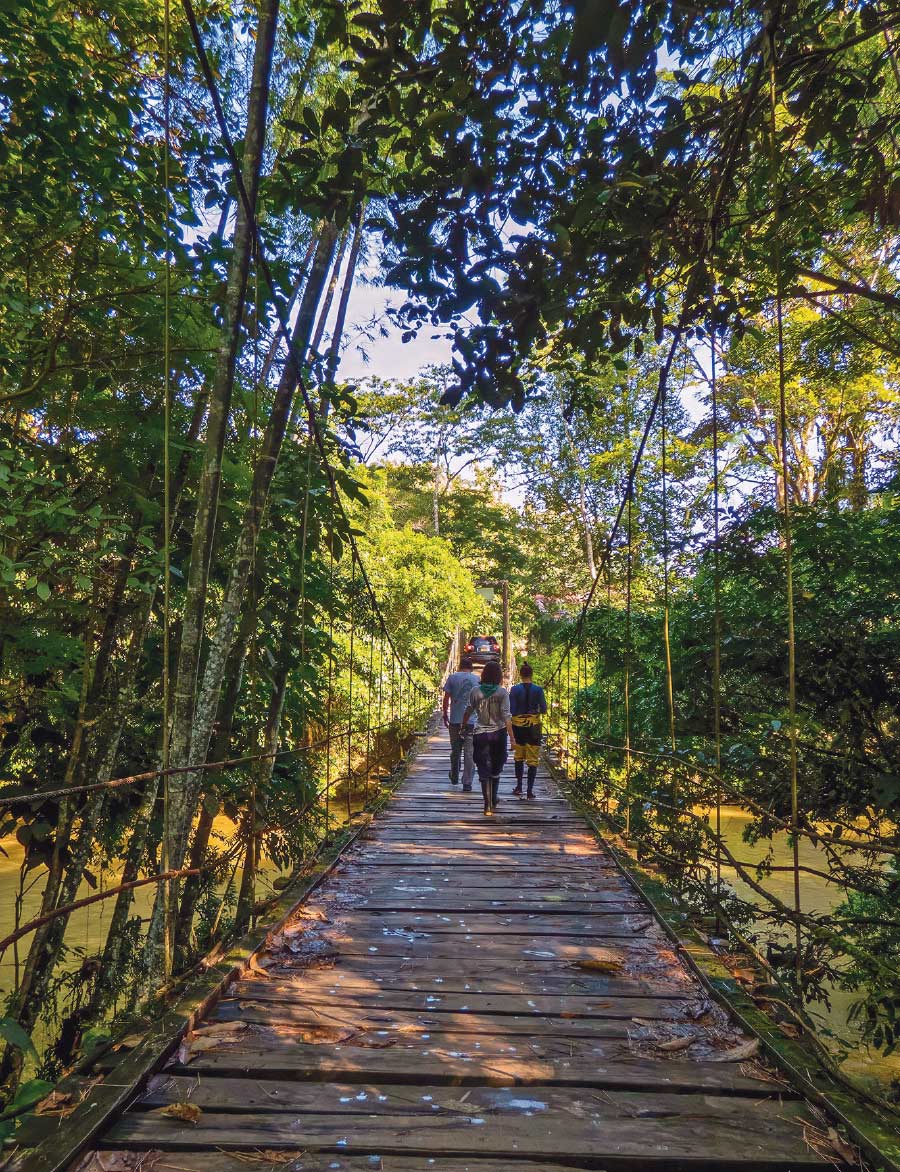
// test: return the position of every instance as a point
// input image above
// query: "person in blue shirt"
(457, 689)
(527, 704)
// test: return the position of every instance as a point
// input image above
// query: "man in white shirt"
(457, 689)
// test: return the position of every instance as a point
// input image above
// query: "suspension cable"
(717, 583)
(169, 890)
(667, 648)
(785, 501)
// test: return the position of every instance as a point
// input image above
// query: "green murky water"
(816, 895)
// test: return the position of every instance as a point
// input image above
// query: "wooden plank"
(614, 1020)
(444, 905)
(248, 1096)
(624, 1004)
(473, 885)
(482, 949)
(573, 1062)
(767, 1137)
(499, 863)
(217, 1160)
(501, 922)
(446, 974)
(425, 981)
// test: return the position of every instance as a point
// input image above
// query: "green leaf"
(28, 1094)
(13, 1033)
(43, 591)
(94, 1039)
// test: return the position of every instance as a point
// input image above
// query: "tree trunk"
(334, 350)
(329, 294)
(234, 675)
(436, 499)
(43, 953)
(188, 667)
(262, 772)
(114, 955)
(188, 785)
(588, 536)
(295, 292)
(858, 492)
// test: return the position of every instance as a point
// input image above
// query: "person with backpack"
(490, 704)
(457, 689)
(527, 704)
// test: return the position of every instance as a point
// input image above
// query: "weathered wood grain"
(766, 1138)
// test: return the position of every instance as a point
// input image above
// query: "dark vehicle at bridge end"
(482, 649)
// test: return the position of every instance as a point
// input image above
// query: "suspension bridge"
(456, 993)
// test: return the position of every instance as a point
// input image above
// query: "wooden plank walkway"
(461, 994)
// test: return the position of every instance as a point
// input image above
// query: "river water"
(88, 926)
(864, 1065)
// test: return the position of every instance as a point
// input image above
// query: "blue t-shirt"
(527, 699)
(459, 687)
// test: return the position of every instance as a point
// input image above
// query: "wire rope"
(782, 429)
(169, 889)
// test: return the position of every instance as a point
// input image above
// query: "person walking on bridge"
(490, 704)
(527, 704)
(457, 690)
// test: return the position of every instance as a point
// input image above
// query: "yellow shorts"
(526, 738)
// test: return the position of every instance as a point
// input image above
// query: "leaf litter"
(182, 1112)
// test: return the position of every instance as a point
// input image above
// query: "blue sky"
(388, 357)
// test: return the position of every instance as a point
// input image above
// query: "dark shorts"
(490, 752)
(527, 734)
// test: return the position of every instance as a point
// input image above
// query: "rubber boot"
(486, 794)
(532, 774)
(495, 791)
(520, 773)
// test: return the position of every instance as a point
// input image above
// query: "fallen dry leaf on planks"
(220, 1029)
(599, 966)
(830, 1146)
(201, 1045)
(183, 1112)
(673, 1045)
(695, 1012)
(738, 1053)
(205, 1038)
(258, 965)
(56, 1103)
(370, 1042)
(317, 1035)
(462, 1107)
(129, 1042)
(641, 926)
(310, 913)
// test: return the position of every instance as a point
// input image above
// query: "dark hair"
(465, 664)
(525, 670)
(492, 673)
